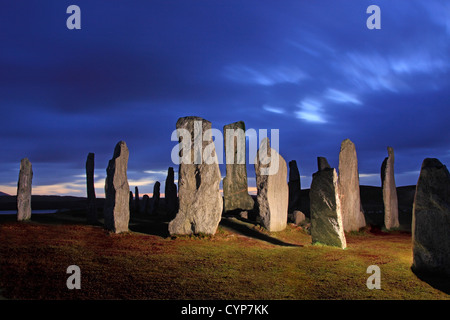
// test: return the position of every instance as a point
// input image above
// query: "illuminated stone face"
(273, 190)
(235, 185)
(117, 190)
(326, 217)
(200, 201)
(390, 199)
(24, 190)
(352, 215)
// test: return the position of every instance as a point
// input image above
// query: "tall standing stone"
(273, 191)
(24, 190)
(294, 187)
(200, 201)
(235, 185)
(353, 216)
(91, 216)
(137, 204)
(322, 163)
(431, 219)
(146, 204)
(131, 201)
(326, 216)
(390, 199)
(170, 193)
(156, 195)
(117, 191)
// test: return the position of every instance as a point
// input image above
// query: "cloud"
(376, 72)
(311, 111)
(160, 172)
(341, 97)
(249, 60)
(272, 109)
(266, 76)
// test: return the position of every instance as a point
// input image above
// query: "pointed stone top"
(189, 119)
(322, 163)
(293, 171)
(346, 142)
(25, 164)
(432, 163)
(390, 151)
(120, 147)
(264, 140)
(235, 125)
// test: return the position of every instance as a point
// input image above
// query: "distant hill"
(48, 202)
(2, 194)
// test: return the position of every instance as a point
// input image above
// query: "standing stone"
(24, 190)
(322, 163)
(294, 187)
(353, 216)
(137, 205)
(156, 196)
(117, 191)
(146, 203)
(273, 191)
(298, 217)
(170, 193)
(91, 216)
(326, 217)
(200, 201)
(389, 191)
(131, 201)
(431, 219)
(235, 185)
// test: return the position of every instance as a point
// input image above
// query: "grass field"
(242, 261)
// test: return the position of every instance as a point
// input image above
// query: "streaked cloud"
(341, 97)
(160, 172)
(273, 109)
(266, 76)
(311, 111)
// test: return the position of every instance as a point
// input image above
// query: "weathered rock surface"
(352, 214)
(390, 199)
(91, 215)
(117, 191)
(272, 188)
(326, 217)
(235, 185)
(294, 187)
(156, 196)
(431, 219)
(322, 163)
(170, 196)
(200, 201)
(298, 217)
(24, 190)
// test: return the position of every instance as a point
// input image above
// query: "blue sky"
(311, 69)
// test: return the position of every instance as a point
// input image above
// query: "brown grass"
(241, 261)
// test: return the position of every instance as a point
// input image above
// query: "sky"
(311, 69)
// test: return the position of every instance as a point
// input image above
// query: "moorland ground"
(241, 261)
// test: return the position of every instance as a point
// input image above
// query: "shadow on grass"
(245, 228)
(152, 225)
(439, 282)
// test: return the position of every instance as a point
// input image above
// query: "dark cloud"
(310, 69)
